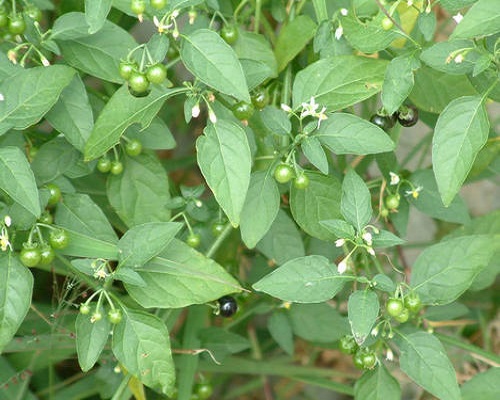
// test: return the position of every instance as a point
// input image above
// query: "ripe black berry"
(227, 306)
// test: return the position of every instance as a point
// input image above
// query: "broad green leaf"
(433, 90)
(340, 228)
(142, 242)
(16, 286)
(225, 161)
(311, 147)
(482, 19)
(98, 54)
(158, 46)
(180, 276)
(447, 312)
(386, 239)
(461, 131)
(398, 82)
(455, 5)
(260, 208)
(96, 12)
(275, 120)
(53, 159)
(346, 133)
(444, 271)
(156, 136)
(121, 111)
(424, 360)
(140, 194)
(426, 23)
(72, 114)
(367, 37)
(292, 38)
(355, 204)
(81, 245)
(384, 283)
(79, 213)
(441, 56)
(377, 384)
(339, 82)
(486, 82)
(91, 337)
(282, 241)
(482, 386)
(310, 279)
(320, 323)
(280, 328)
(141, 344)
(17, 180)
(321, 201)
(256, 72)
(362, 310)
(221, 342)
(30, 94)
(7, 69)
(210, 59)
(430, 203)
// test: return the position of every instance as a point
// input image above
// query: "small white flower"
(339, 32)
(160, 25)
(45, 62)
(7, 221)
(459, 58)
(342, 266)
(415, 192)
(367, 237)
(309, 108)
(4, 240)
(339, 242)
(175, 13)
(212, 116)
(374, 331)
(195, 111)
(321, 116)
(117, 369)
(100, 274)
(394, 178)
(2, 98)
(286, 108)
(344, 11)
(175, 33)
(410, 3)
(389, 355)
(198, 203)
(370, 251)
(459, 17)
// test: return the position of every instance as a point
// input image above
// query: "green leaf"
(321, 201)
(16, 286)
(260, 209)
(398, 82)
(156, 136)
(345, 133)
(72, 114)
(339, 228)
(310, 279)
(30, 94)
(280, 328)
(377, 384)
(292, 38)
(386, 239)
(275, 120)
(461, 131)
(482, 386)
(121, 111)
(96, 12)
(367, 37)
(441, 56)
(53, 159)
(140, 194)
(98, 54)
(339, 82)
(208, 57)
(222, 343)
(482, 19)
(143, 242)
(91, 337)
(225, 161)
(158, 46)
(311, 147)
(17, 180)
(320, 323)
(180, 276)
(355, 205)
(429, 202)
(433, 90)
(362, 310)
(282, 241)
(142, 344)
(444, 271)
(424, 360)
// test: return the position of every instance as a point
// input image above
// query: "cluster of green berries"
(114, 314)
(15, 23)
(139, 80)
(284, 173)
(139, 6)
(362, 357)
(406, 116)
(400, 309)
(133, 147)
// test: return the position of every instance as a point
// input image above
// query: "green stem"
(469, 347)
(217, 243)
(258, 7)
(320, 10)
(123, 385)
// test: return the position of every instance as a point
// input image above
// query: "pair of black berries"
(407, 116)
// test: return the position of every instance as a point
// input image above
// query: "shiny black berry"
(385, 122)
(408, 116)
(227, 306)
